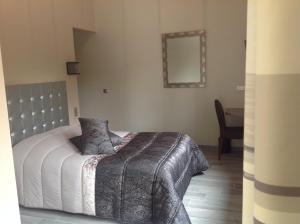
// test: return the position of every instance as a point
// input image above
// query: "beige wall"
(9, 209)
(37, 40)
(125, 57)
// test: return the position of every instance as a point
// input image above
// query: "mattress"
(52, 174)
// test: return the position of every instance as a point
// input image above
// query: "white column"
(9, 210)
(248, 180)
(277, 113)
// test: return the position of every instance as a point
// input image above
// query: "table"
(235, 112)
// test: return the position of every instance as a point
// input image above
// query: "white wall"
(125, 57)
(37, 40)
(9, 210)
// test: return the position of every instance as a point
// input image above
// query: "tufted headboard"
(36, 108)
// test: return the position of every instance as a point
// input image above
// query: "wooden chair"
(226, 133)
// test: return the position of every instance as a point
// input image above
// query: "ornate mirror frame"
(202, 38)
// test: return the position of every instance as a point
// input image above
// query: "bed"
(143, 182)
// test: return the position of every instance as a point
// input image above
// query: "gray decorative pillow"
(77, 142)
(115, 140)
(95, 137)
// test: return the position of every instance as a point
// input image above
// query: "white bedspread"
(52, 174)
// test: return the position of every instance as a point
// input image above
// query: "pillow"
(77, 142)
(115, 140)
(95, 138)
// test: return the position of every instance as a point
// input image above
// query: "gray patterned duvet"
(146, 180)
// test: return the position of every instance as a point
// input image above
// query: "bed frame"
(36, 108)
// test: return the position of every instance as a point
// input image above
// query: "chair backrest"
(220, 115)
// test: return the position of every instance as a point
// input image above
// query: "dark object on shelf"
(73, 68)
(226, 133)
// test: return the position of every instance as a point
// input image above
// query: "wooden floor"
(212, 198)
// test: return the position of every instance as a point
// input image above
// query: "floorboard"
(212, 198)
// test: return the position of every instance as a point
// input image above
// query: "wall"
(125, 58)
(9, 209)
(37, 40)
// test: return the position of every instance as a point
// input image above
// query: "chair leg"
(227, 145)
(220, 150)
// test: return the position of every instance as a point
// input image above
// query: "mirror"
(184, 59)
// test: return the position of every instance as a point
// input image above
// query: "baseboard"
(209, 147)
(215, 147)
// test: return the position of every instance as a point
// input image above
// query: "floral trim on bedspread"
(89, 175)
(88, 184)
(125, 141)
